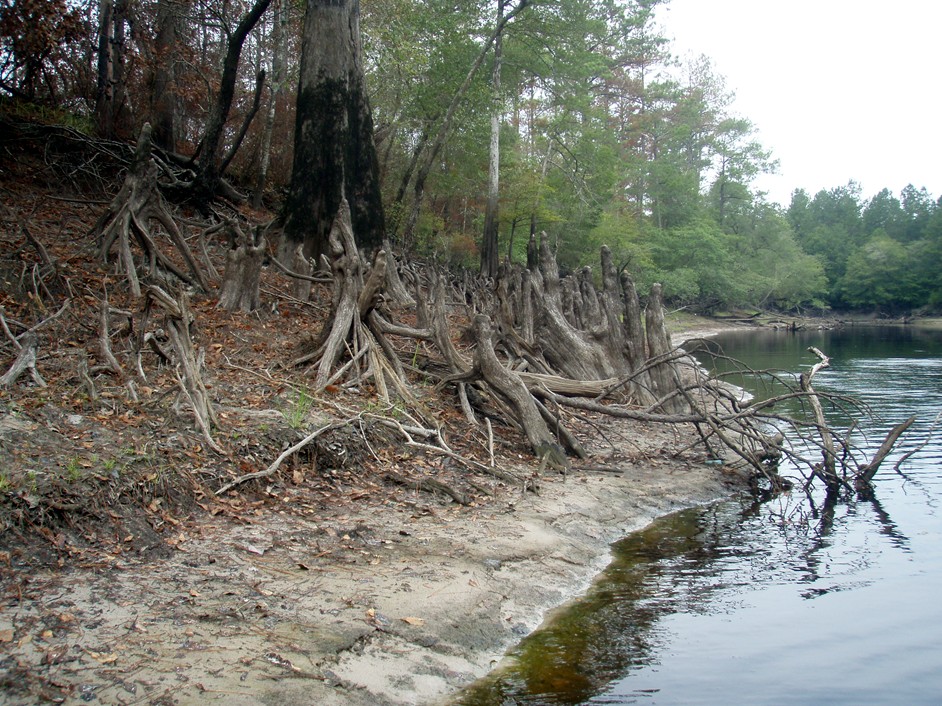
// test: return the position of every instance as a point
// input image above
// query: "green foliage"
(46, 115)
(694, 263)
(73, 470)
(829, 227)
(297, 411)
(605, 139)
(879, 255)
(774, 269)
(622, 234)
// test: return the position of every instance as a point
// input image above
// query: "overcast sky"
(838, 89)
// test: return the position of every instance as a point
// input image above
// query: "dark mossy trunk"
(317, 182)
(362, 169)
(334, 152)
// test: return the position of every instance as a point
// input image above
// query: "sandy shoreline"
(426, 599)
(378, 603)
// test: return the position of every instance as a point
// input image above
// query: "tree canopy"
(603, 137)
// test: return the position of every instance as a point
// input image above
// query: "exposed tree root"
(25, 360)
(430, 484)
(189, 362)
(129, 216)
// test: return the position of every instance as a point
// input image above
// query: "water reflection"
(783, 602)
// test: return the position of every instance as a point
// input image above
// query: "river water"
(741, 602)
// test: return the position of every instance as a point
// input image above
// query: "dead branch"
(290, 451)
(866, 472)
(828, 470)
(408, 432)
(430, 484)
(306, 276)
(925, 442)
(104, 340)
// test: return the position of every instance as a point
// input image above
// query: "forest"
(491, 122)
(344, 294)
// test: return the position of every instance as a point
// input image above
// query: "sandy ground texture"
(388, 604)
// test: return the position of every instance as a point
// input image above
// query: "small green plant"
(5, 483)
(111, 468)
(297, 412)
(73, 470)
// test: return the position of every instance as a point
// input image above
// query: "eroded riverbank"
(424, 598)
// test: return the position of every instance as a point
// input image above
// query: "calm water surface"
(742, 603)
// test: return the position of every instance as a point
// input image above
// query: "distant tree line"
(882, 254)
(492, 120)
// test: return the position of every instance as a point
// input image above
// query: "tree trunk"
(240, 285)
(208, 166)
(279, 38)
(103, 110)
(635, 348)
(489, 254)
(567, 349)
(663, 375)
(109, 98)
(334, 153)
(163, 104)
(445, 128)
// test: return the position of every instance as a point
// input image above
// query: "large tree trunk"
(334, 153)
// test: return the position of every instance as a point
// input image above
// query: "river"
(772, 603)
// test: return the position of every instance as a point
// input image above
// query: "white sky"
(838, 89)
